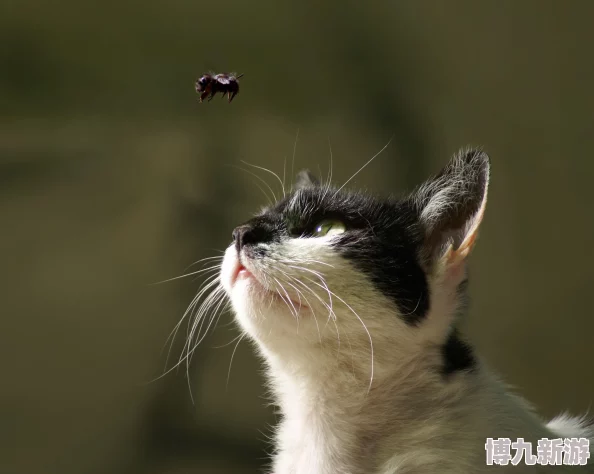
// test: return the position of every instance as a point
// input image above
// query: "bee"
(210, 84)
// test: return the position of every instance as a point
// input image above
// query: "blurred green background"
(114, 177)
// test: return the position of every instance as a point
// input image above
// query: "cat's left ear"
(451, 207)
(305, 179)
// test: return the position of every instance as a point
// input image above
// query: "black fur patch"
(382, 239)
(258, 230)
(457, 355)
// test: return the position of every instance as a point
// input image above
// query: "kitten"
(352, 302)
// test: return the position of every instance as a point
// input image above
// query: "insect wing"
(223, 79)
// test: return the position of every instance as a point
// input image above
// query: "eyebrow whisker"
(363, 167)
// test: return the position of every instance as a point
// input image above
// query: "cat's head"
(324, 267)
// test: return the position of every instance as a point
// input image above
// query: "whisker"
(202, 260)
(215, 267)
(191, 352)
(260, 179)
(211, 300)
(330, 292)
(318, 275)
(329, 178)
(228, 344)
(219, 306)
(288, 301)
(293, 159)
(231, 361)
(331, 315)
(195, 300)
(197, 318)
(308, 304)
(363, 167)
(263, 192)
(416, 307)
(284, 169)
(306, 260)
(167, 371)
(268, 171)
(300, 294)
(368, 335)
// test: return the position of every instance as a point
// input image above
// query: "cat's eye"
(329, 227)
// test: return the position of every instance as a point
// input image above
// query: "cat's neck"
(335, 422)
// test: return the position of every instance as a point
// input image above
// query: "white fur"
(359, 389)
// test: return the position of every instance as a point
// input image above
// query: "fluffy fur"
(358, 330)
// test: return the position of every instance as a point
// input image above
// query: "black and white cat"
(352, 301)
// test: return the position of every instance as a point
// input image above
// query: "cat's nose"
(242, 235)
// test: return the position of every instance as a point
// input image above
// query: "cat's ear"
(305, 179)
(452, 204)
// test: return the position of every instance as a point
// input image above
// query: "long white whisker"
(190, 353)
(366, 330)
(416, 307)
(363, 167)
(216, 312)
(214, 298)
(214, 267)
(308, 304)
(203, 260)
(325, 287)
(329, 179)
(220, 257)
(231, 361)
(260, 179)
(331, 315)
(320, 277)
(181, 359)
(284, 173)
(268, 171)
(306, 260)
(197, 321)
(288, 301)
(293, 159)
(212, 281)
(300, 294)
(270, 202)
(195, 300)
(228, 343)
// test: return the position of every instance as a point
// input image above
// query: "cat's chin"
(269, 318)
(267, 312)
(250, 295)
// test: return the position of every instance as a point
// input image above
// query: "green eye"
(329, 227)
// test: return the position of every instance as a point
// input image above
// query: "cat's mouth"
(241, 273)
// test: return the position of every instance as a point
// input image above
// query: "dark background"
(113, 177)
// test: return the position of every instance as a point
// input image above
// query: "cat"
(352, 301)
